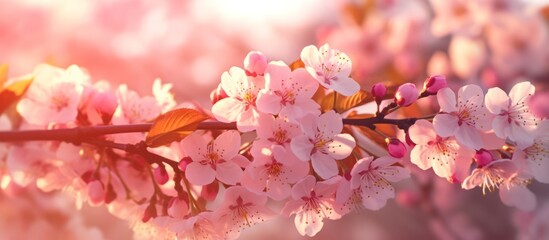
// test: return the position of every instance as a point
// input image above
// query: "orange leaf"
(297, 64)
(344, 103)
(3, 75)
(174, 126)
(13, 92)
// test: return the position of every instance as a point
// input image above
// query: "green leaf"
(174, 126)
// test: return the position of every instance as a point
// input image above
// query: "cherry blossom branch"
(79, 134)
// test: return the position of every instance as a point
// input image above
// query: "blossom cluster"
(293, 151)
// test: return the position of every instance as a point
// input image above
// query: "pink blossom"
(54, 95)
(490, 176)
(212, 160)
(240, 105)
(513, 117)
(274, 131)
(536, 156)
(464, 118)
(240, 209)
(96, 192)
(331, 68)
(274, 172)
(322, 143)
(287, 93)
(200, 226)
(312, 202)
(374, 177)
(431, 150)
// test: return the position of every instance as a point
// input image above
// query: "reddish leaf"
(13, 92)
(174, 126)
(297, 64)
(344, 103)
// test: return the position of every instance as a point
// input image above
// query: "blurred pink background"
(191, 43)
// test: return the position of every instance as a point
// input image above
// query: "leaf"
(3, 75)
(13, 92)
(344, 103)
(174, 126)
(297, 64)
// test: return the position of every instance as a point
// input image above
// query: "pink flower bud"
(161, 175)
(255, 64)
(209, 192)
(183, 163)
(378, 91)
(406, 94)
(150, 212)
(96, 192)
(435, 83)
(218, 94)
(483, 158)
(396, 148)
(178, 208)
(101, 107)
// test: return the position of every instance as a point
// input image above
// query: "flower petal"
(496, 100)
(302, 147)
(445, 124)
(199, 174)
(341, 146)
(229, 173)
(447, 100)
(324, 165)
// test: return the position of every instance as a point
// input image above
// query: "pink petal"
(447, 100)
(518, 196)
(199, 174)
(496, 100)
(521, 91)
(247, 121)
(275, 74)
(227, 144)
(194, 146)
(345, 86)
(268, 102)
(330, 124)
(417, 157)
(308, 223)
(520, 135)
(324, 165)
(302, 147)
(305, 84)
(227, 109)
(445, 124)
(422, 132)
(298, 110)
(341, 146)
(310, 56)
(309, 125)
(475, 179)
(278, 190)
(233, 80)
(540, 169)
(373, 203)
(304, 187)
(469, 137)
(473, 93)
(229, 173)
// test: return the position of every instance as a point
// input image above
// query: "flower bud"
(409, 140)
(178, 208)
(218, 94)
(110, 194)
(396, 148)
(150, 212)
(209, 192)
(183, 163)
(102, 107)
(255, 64)
(161, 175)
(434, 83)
(378, 91)
(483, 157)
(96, 192)
(406, 94)
(408, 198)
